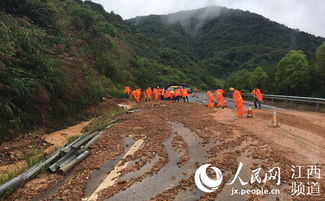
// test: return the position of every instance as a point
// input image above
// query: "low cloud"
(307, 16)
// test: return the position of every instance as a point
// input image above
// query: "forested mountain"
(57, 57)
(225, 40)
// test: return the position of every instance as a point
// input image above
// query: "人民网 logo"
(204, 183)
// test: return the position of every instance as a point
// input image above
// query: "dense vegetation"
(59, 57)
(245, 49)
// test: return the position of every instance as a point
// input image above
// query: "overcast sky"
(306, 15)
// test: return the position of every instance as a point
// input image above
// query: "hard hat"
(231, 89)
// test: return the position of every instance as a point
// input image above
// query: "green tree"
(258, 78)
(320, 71)
(239, 80)
(293, 74)
(82, 19)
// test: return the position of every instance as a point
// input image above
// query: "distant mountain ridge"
(224, 40)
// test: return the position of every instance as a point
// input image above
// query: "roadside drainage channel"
(170, 175)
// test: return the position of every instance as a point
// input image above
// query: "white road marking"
(112, 177)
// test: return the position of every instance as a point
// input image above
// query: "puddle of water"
(158, 183)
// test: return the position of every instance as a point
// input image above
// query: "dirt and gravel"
(178, 139)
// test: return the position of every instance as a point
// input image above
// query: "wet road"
(153, 154)
(202, 98)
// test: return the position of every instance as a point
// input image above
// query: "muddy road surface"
(153, 154)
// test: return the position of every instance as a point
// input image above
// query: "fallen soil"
(15, 153)
(61, 137)
(179, 138)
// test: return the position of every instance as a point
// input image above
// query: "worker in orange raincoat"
(156, 93)
(219, 96)
(161, 93)
(149, 93)
(138, 95)
(145, 96)
(177, 94)
(134, 94)
(127, 91)
(210, 99)
(167, 95)
(238, 101)
(258, 97)
(184, 94)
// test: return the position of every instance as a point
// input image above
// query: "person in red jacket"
(238, 101)
(258, 97)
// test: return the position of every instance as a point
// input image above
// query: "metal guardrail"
(61, 160)
(291, 99)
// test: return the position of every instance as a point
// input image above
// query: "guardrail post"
(272, 101)
(317, 106)
(290, 102)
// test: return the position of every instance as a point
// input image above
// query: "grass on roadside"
(11, 174)
(72, 138)
(35, 157)
(100, 123)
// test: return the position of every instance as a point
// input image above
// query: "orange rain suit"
(238, 101)
(138, 95)
(184, 93)
(134, 95)
(210, 99)
(167, 94)
(257, 94)
(149, 93)
(178, 93)
(156, 93)
(127, 90)
(219, 96)
(145, 95)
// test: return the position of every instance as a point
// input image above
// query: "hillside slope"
(59, 57)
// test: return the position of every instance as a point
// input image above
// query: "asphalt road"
(153, 154)
(202, 98)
